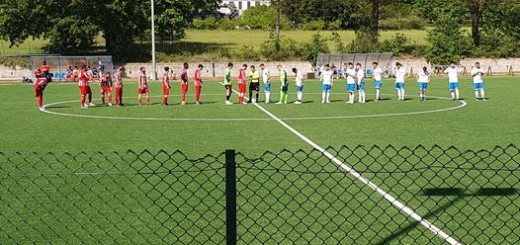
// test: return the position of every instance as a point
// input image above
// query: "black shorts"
(227, 86)
(285, 88)
(254, 87)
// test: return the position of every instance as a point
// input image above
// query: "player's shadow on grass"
(458, 194)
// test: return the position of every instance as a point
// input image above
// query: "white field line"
(396, 203)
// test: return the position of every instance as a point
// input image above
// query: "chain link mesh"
(286, 197)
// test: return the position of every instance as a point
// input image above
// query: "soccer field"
(211, 128)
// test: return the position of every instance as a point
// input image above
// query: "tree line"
(73, 26)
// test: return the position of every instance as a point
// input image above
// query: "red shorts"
(142, 90)
(38, 91)
(184, 88)
(165, 90)
(83, 90)
(106, 90)
(241, 87)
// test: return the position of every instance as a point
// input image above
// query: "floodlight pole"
(154, 65)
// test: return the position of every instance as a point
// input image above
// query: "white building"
(243, 5)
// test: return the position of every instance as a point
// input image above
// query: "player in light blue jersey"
(453, 80)
(423, 80)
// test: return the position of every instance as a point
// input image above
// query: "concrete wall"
(216, 69)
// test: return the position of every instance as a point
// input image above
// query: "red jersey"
(242, 75)
(165, 80)
(198, 80)
(82, 78)
(45, 68)
(42, 81)
(142, 81)
(105, 82)
(184, 76)
(118, 80)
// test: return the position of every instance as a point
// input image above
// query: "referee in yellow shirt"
(254, 84)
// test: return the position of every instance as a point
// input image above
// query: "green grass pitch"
(212, 127)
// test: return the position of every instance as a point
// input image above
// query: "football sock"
(482, 94)
(476, 94)
(300, 96)
(323, 96)
(256, 96)
(39, 100)
(457, 93)
(285, 97)
(267, 96)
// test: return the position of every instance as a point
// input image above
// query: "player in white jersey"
(478, 83)
(327, 81)
(266, 79)
(378, 79)
(298, 77)
(360, 82)
(350, 76)
(423, 78)
(400, 76)
(453, 80)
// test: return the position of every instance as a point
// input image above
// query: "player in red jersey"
(184, 83)
(91, 76)
(105, 84)
(82, 84)
(38, 87)
(166, 85)
(143, 87)
(197, 82)
(242, 84)
(118, 86)
(46, 70)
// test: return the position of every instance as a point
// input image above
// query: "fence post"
(231, 198)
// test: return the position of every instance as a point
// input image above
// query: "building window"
(239, 4)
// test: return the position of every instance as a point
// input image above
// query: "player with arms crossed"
(284, 87)
(298, 77)
(453, 80)
(242, 83)
(227, 83)
(105, 84)
(165, 78)
(400, 76)
(378, 80)
(266, 79)
(142, 87)
(423, 78)
(118, 86)
(478, 83)
(38, 87)
(327, 80)
(254, 85)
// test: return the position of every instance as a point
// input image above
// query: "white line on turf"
(394, 201)
(45, 110)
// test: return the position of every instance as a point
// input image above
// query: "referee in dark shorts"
(254, 84)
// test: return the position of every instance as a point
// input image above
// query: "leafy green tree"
(448, 42)
(263, 17)
(317, 45)
(501, 32)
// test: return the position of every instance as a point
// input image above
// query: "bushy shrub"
(289, 49)
(13, 62)
(366, 41)
(248, 53)
(263, 17)
(397, 44)
(412, 22)
(317, 45)
(209, 23)
(227, 24)
(314, 25)
(334, 26)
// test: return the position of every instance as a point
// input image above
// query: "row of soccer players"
(355, 80)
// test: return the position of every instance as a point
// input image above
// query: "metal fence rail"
(282, 197)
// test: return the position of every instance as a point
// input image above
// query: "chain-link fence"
(287, 197)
